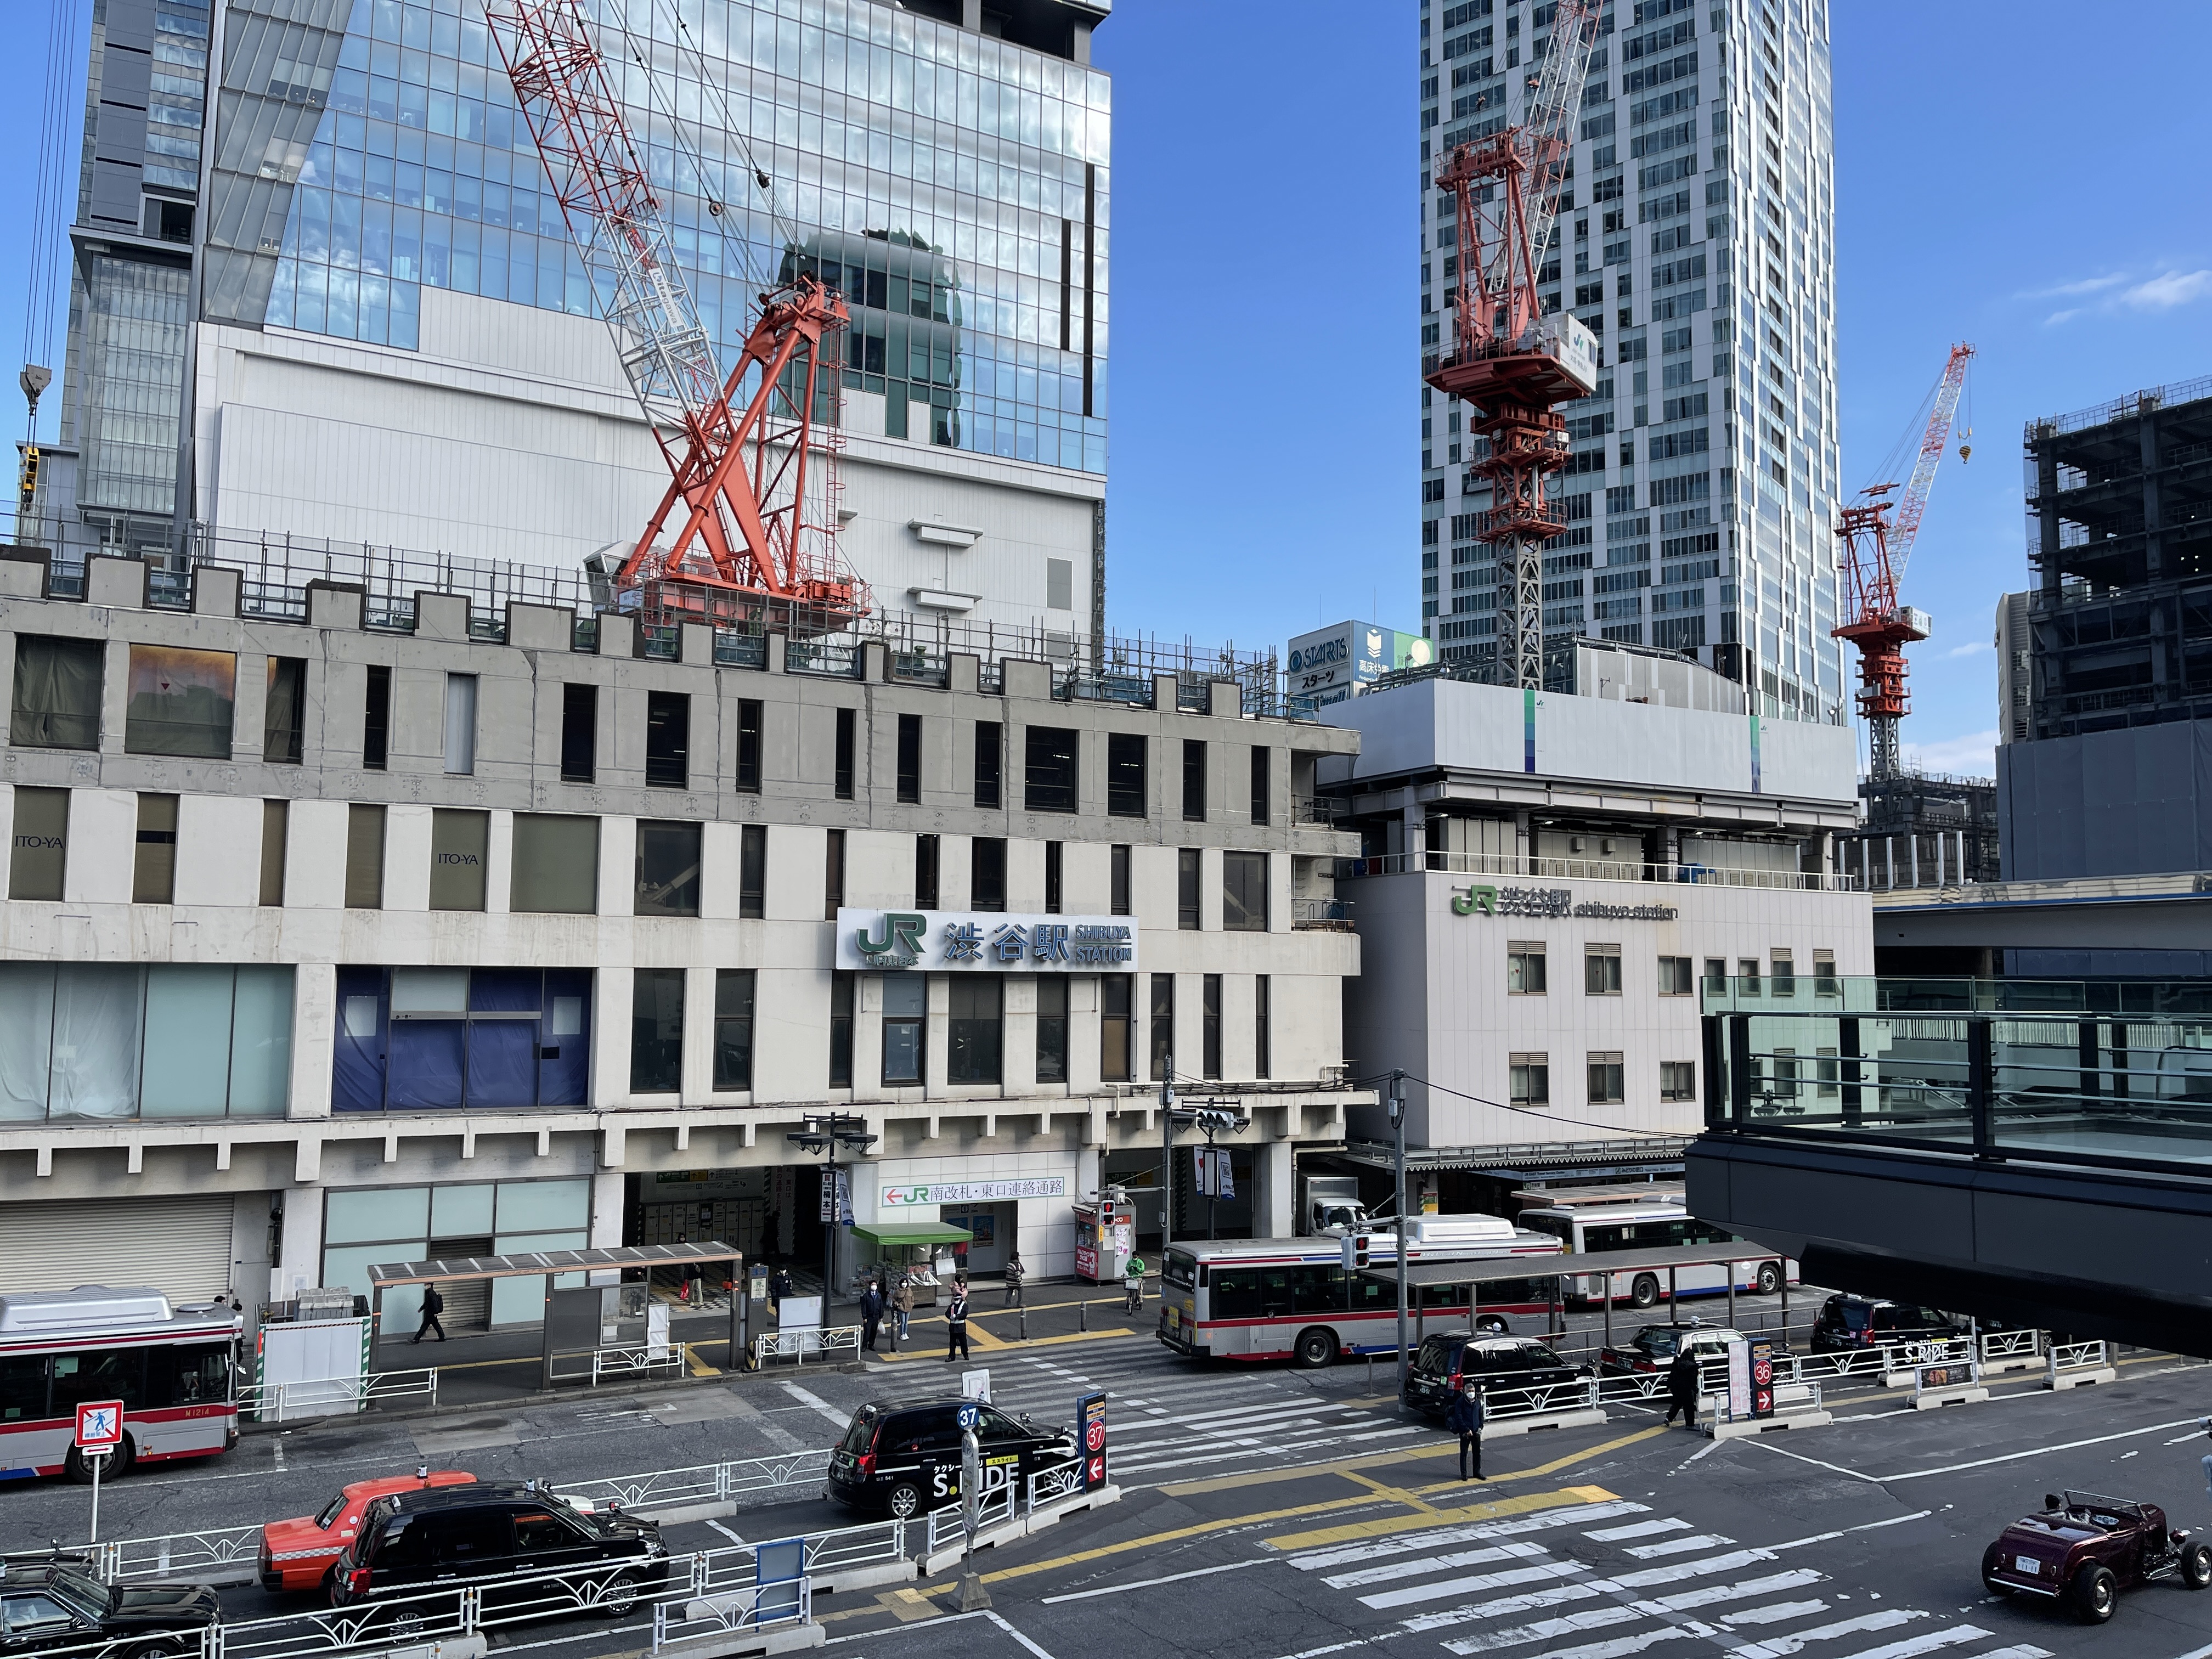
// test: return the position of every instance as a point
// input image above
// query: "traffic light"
(1355, 1252)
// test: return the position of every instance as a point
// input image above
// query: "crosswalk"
(1613, 1580)
(1170, 1419)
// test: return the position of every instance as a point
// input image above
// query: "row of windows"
(1605, 1078)
(1528, 972)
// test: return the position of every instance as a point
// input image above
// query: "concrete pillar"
(1273, 1198)
(299, 1265)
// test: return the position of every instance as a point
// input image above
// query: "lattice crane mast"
(1506, 357)
(1872, 557)
(752, 490)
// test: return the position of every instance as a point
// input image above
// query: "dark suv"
(1849, 1322)
(1447, 1359)
(413, 1543)
(56, 1603)
(903, 1456)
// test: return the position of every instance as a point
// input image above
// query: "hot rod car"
(2083, 1550)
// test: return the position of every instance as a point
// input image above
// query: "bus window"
(101, 1374)
(1178, 1268)
(202, 1374)
(1605, 1238)
(1276, 1300)
(1559, 1226)
(1440, 1296)
(1369, 1293)
(23, 1388)
(1234, 1292)
(1319, 1289)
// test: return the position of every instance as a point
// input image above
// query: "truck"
(1330, 1203)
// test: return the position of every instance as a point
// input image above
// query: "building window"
(460, 724)
(1210, 1026)
(107, 1041)
(1125, 774)
(179, 701)
(1244, 892)
(364, 871)
(752, 872)
(1052, 1029)
(1785, 974)
(972, 1030)
(1262, 1053)
(840, 1030)
(416, 1038)
(459, 839)
(1530, 1080)
(989, 764)
(276, 834)
(667, 740)
(847, 741)
(376, 719)
(748, 746)
(1746, 976)
(925, 873)
(1162, 1023)
(667, 869)
(1608, 1080)
(1187, 866)
(38, 854)
(57, 693)
(1524, 968)
(556, 865)
(1717, 973)
(285, 715)
(656, 1031)
(153, 867)
(1824, 983)
(833, 875)
(1261, 758)
(906, 1000)
(1602, 969)
(1117, 880)
(733, 1028)
(1193, 780)
(1827, 1075)
(1055, 890)
(1678, 1080)
(987, 873)
(910, 759)
(1114, 1048)
(579, 733)
(1049, 769)
(1674, 977)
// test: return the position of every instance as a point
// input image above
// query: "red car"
(298, 1554)
(2083, 1550)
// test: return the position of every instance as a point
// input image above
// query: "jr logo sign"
(1476, 900)
(899, 945)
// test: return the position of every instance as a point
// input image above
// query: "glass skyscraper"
(1696, 239)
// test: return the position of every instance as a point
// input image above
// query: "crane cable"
(49, 214)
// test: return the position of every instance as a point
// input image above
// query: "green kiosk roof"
(912, 1232)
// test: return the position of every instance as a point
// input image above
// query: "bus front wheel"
(1314, 1348)
(118, 1463)
(1644, 1292)
(1770, 1278)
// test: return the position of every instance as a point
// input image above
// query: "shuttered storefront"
(179, 1246)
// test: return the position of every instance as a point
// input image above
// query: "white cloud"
(1972, 754)
(1971, 648)
(2168, 290)
(2086, 285)
(2058, 317)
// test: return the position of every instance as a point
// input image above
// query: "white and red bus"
(1291, 1299)
(1598, 1228)
(172, 1367)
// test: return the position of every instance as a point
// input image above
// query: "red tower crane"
(1509, 359)
(754, 480)
(1872, 559)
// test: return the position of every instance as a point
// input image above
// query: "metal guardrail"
(284, 1402)
(826, 1345)
(1514, 866)
(639, 1361)
(815, 657)
(949, 1524)
(178, 1555)
(703, 1483)
(732, 1612)
(2078, 1357)
(734, 648)
(2011, 1345)
(1322, 913)
(1811, 1402)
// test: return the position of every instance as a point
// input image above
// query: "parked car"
(2081, 1551)
(56, 1603)
(301, 1553)
(1849, 1322)
(903, 1456)
(1653, 1348)
(411, 1543)
(1446, 1360)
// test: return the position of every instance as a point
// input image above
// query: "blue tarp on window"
(525, 1041)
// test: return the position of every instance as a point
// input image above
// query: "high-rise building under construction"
(1696, 239)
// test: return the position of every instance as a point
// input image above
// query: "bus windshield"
(1561, 1227)
(1180, 1269)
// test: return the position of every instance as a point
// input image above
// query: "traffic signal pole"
(1398, 1130)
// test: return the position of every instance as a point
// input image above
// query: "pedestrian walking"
(779, 1286)
(903, 1304)
(1015, 1273)
(871, 1315)
(1682, 1389)
(1132, 1285)
(433, 1305)
(956, 1322)
(1465, 1419)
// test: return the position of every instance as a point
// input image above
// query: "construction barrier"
(2079, 1364)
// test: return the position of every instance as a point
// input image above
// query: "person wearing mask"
(1465, 1419)
(1682, 1389)
(1015, 1273)
(956, 1322)
(433, 1305)
(871, 1315)
(903, 1304)
(1132, 1285)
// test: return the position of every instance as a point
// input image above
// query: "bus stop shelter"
(1669, 1259)
(549, 1264)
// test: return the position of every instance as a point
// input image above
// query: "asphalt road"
(1270, 1513)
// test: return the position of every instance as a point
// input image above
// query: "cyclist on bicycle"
(1132, 1285)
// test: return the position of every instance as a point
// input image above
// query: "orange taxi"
(298, 1554)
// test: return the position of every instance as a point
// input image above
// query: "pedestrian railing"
(1580, 1394)
(668, 1357)
(183, 1554)
(735, 1612)
(328, 1396)
(2077, 1359)
(947, 1526)
(840, 1342)
(1632, 1385)
(1803, 1397)
(2011, 1345)
(1061, 1480)
(666, 1489)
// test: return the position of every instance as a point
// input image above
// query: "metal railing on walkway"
(644, 1360)
(1506, 867)
(827, 1347)
(285, 1402)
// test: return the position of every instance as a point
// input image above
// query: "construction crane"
(1872, 557)
(1507, 358)
(752, 492)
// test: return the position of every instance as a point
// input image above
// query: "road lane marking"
(1569, 1624)
(1496, 1509)
(1370, 1550)
(1914, 1646)
(1776, 1614)
(1704, 1596)
(1704, 1541)
(1980, 1462)
(807, 1398)
(1863, 1525)
(1780, 1647)
(1621, 1646)
(1000, 1620)
(1535, 1573)
(1147, 1583)
(1639, 1530)
(1383, 1573)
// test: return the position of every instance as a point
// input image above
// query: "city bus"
(1291, 1299)
(1592, 1230)
(172, 1367)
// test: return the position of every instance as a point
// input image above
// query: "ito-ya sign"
(984, 941)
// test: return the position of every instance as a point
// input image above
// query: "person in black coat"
(1465, 1419)
(433, 1305)
(956, 1322)
(871, 1315)
(779, 1286)
(1682, 1389)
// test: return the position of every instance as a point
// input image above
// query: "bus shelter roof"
(525, 1263)
(1544, 1267)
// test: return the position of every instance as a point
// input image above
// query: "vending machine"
(1105, 1236)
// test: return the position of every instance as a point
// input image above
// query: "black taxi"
(902, 1457)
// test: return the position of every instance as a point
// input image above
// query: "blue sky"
(1997, 181)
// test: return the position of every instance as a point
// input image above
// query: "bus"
(172, 1367)
(1590, 1230)
(1291, 1299)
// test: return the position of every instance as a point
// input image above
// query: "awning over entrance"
(911, 1232)
(548, 1261)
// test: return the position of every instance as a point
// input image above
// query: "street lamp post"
(826, 1133)
(1398, 1135)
